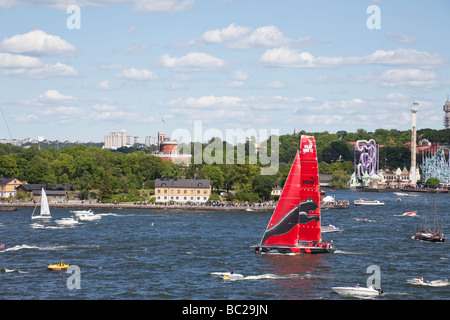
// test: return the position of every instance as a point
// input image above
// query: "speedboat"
(418, 280)
(227, 275)
(67, 221)
(330, 228)
(88, 217)
(82, 212)
(37, 225)
(358, 291)
(411, 213)
(58, 266)
(365, 202)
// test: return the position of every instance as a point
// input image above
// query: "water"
(145, 254)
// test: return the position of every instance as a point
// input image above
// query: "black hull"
(428, 238)
(293, 250)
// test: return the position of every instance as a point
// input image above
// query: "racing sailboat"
(294, 227)
(45, 210)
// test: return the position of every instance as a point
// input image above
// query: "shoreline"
(12, 206)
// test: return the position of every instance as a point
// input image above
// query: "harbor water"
(150, 254)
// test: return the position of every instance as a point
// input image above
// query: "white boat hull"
(356, 291)
(227, 275)
(67, 221)
(87, 217)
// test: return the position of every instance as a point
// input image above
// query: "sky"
(207, 66)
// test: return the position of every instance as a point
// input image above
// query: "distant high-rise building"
(117, 140)
(151, 141)
(447, 114)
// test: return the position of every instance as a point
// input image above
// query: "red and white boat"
(411, 213)
(295, 223)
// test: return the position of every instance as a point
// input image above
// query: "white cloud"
(232, 32)
(8, 60)
(239, 37)
(397, 78)
(137, 74)
(268, 36)
(239, 75)
(195, 61)
(104, 85)
(400, 38)
(275, 85)
(38, 43)
(289, 57)
(47, 71)
(207, 102)
(136, 49)
(54, 96)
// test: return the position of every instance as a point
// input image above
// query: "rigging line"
(7, 127)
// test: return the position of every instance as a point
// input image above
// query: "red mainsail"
(297, 215)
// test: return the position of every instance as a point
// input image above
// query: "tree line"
(129, 176)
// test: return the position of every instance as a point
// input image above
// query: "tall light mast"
(413, 175)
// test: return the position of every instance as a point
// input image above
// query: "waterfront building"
(8, 187)
(182, 190)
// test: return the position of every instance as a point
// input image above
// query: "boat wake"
(11, 270)
(51, 248)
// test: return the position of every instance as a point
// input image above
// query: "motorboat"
(58, 266)
(88, 217)
(358, 291)
(227, 275)
(67, 221)
(418, 280)
(82, 212)
(37, 225)
(330, 228)
(411, 213)
(366, 202)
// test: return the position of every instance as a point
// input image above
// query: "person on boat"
(2, 246)
(231, 271)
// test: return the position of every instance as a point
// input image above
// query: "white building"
(117, 140)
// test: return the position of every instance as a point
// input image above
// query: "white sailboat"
(45, 210)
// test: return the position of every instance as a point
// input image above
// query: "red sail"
(297, 215)
(309, 190)
(289, 200)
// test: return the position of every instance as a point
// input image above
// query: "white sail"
(45, 210)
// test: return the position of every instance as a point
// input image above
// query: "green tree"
(262, 185)
(433, 182)
(215, 174)
(339, 180)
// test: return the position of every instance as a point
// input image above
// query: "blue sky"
(231, 64)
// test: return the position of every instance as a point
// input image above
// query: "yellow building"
(182, 190)
(8, 187)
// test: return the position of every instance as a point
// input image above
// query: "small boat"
(88, 217)
(411, 213)
(227, 275)
(330, 228)
(45, 210)
(366, 202)
(67, 221)
(358, 291)
(428, 235)
(58, 267)
(418, 280)
(82, 212)
(37, 225)
(294, 227)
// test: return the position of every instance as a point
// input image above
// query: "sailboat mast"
(434, 217)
